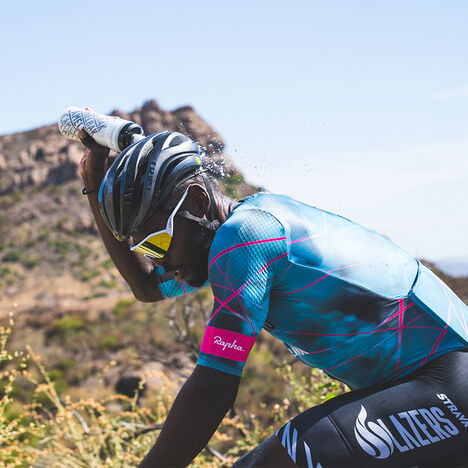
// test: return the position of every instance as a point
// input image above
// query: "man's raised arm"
(137, 271)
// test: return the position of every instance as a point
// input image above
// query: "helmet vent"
(177, 140)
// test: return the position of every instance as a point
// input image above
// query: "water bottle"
(112, 132)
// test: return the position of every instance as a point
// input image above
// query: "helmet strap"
(215, 223)
(210, 225)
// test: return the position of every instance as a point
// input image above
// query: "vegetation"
(41, 424)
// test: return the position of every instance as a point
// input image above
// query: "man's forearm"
(197, 411)
(135, 269)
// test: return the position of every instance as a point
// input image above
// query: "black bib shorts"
(420, 420)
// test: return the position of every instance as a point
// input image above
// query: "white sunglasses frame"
(169, 229)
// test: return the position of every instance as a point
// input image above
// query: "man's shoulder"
(249, 227)
(252, 217)
(271, 209)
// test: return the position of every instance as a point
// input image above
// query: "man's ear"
(198, 201)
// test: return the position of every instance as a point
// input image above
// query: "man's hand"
(94, 162)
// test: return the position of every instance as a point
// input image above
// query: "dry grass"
(41, 426)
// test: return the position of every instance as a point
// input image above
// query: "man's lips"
(179, 275)
(178, 272)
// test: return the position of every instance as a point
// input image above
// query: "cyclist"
(341, 298)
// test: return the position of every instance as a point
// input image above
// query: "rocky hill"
(47, 231)
(44, 157)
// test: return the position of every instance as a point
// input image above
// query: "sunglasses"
(156, 245)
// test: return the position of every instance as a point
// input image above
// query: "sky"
(359, 107)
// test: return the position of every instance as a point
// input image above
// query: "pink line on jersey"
(411, 304)
(436, 344)
(319, 350)
(301, 289)
(461, 318)
(233, 311)
(223, 286)
(264, 267)
(233, 291)
(439, 339)
(393, 330)
(327, 274)
(224, 304)
(415, 320)
(305, 239)
(365, 352)
(401, 311)
(245, 244)
(358, 355)
(241, 305)
(221, 272)
(405, 327)
(236, 293)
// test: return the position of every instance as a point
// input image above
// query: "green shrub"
(12, 256)
(31, 262)
(56, 376)
(95, 295)
(62, 246)
(109, 342)
(31, 242)
(108, 284)
(44, 234)
(122, 306)
(65, 364)
(67, 325)
(107, 263)
(88, 275)
(4, 270)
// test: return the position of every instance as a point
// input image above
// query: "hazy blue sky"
(358, 107)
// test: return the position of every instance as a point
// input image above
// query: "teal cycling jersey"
(341, 298)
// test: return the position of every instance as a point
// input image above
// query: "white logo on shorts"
(402, 431)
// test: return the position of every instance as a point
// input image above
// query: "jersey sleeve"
(244, 263)
(170, 287)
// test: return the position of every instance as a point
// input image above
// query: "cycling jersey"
(342, 298)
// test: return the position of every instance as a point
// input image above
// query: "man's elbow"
(146, 294)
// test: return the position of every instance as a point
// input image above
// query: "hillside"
(50, 249)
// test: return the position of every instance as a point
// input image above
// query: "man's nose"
(159, 262)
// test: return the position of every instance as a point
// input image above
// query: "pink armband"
(227, 344)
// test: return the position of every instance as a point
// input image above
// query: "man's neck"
(224, 207)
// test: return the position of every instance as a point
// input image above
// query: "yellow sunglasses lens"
(156, 245)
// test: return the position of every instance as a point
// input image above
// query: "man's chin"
(196, 281)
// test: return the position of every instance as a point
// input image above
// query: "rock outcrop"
(44, 156)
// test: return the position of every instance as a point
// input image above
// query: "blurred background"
(357, 107)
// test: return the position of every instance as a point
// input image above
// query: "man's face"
(187, 257)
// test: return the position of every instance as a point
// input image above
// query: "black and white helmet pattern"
(142, 177)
